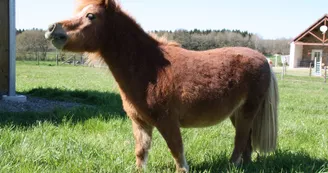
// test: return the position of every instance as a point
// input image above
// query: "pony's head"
(83, 32)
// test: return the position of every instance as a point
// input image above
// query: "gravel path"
(35, 105)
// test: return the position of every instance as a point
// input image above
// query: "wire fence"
(301, 72)
(56, 57)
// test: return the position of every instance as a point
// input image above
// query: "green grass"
(101, 140)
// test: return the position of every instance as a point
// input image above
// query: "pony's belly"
(203, 119)
(208, 116)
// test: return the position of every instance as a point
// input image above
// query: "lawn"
(99, 138)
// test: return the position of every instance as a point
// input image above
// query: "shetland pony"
(166, 87)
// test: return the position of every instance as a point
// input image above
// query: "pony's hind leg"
(243, 121)
(142, 134)
(243, 127)
(247, 153)
(170, 131)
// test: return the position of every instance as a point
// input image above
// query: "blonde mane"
(163, 40)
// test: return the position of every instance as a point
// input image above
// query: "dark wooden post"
(82, 60)
(57, 58)
(310, 74)
(37, 58)
(8, 52)
(283, 73)
(4, 47)
(325, 76)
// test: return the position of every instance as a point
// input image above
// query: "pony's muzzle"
(57, 35)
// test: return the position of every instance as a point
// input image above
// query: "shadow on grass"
(94, 104)
(280, 161)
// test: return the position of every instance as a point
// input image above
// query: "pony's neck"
(133, 56)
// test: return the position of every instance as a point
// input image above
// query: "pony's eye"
(91, 16)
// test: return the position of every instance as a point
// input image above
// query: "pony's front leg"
(142, 134)
(170, 131)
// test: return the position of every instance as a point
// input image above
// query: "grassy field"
(100, 139)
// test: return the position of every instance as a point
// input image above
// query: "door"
(317, 57)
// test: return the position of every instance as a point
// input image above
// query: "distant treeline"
(208, 39)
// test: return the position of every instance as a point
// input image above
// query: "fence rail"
(58, 57)
(302, 72)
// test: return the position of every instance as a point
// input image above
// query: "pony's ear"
(110, 4)
(107, 2)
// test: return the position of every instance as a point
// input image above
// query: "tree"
(33, 42)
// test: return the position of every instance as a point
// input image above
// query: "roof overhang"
(310, 44)
(317, 39)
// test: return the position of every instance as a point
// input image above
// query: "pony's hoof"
(236, 162)
(140, 168)
(183, 170)
(247, 161)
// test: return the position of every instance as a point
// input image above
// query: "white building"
(311, 47)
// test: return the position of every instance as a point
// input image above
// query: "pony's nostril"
(59, 36)
(51, 27)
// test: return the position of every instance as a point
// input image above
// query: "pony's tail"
(265, 131)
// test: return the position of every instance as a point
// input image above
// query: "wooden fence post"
(310, 74)
(57, 59)
(37, 58)
(82, 60)
(325, 76)
(283, 73)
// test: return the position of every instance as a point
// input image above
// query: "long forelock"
(80, 4)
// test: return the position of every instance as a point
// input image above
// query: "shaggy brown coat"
(165, 86)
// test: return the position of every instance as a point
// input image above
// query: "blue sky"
(268, 18)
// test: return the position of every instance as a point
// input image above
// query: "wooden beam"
(316, 36)
(303, 35)
(324, 38)
(324, 35)
(311, 44)
(4, 46)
